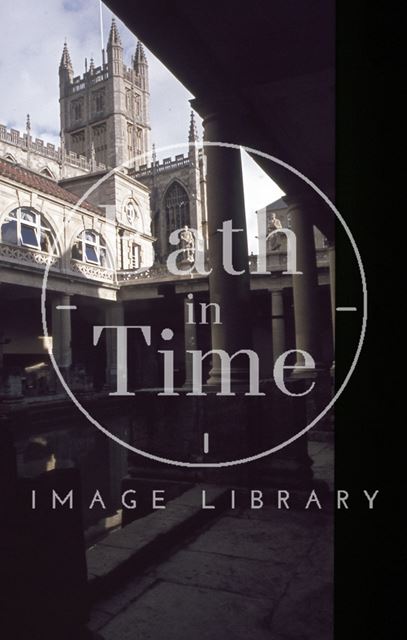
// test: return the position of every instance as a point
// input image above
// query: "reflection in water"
(37, 458)
(101, 462)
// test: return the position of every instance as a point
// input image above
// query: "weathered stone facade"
(105, 112)
(105, 126)
(97, 222)
(42, 157)
(187, 176)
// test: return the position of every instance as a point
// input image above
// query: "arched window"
(26, 227)
(90, 247)
(176, 207)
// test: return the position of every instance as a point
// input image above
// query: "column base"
(238, 379)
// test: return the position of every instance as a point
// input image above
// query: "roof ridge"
(35, 180)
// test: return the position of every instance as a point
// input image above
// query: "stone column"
(277, 323)
(114, 316)
(62, 333)
(305, 286)
(225, 201)
(190, 336)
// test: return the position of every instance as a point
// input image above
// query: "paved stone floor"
(252, 575)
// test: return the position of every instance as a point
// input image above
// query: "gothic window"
(25, 227)
(99, 142)
(137, 104)
(139, 138)
(130, 133)
(128, 99)
(132, 102)
(176, 207)
(77, 107)
(78, 142)
(98, 101)
(90, 247)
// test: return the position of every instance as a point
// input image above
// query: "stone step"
(141, 543)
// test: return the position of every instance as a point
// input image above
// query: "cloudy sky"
(30, 50)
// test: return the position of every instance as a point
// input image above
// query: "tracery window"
(130, 141)
(78, 142)
(99, 141)
(77, 107)
(90, 247)
(139, 140)
(176, 207)
(98, 101)
(26, 227)
(128, 99)
(137, 104)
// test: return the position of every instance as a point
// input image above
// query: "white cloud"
(30, 51)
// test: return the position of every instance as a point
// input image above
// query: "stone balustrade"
(25, 255)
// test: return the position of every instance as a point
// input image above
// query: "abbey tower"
(105, 112)
(105, 123)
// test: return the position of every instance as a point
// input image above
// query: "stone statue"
(275, 240)
(187, 244)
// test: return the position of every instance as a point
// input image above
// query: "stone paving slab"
(130, 591)
(180, 612)
(252, 578)
(280, 517)
(305, 611)
(98, 620)
(130, 549)
(102, 560)
(141, 532)
(284, 541)
(211, 590)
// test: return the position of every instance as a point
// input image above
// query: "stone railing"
(159, 272)
(46, 149)
(17, 139)
(168, 163)
(275, 262)
(27, 256)
(131, 75)
(91, 77)
(93, 271)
